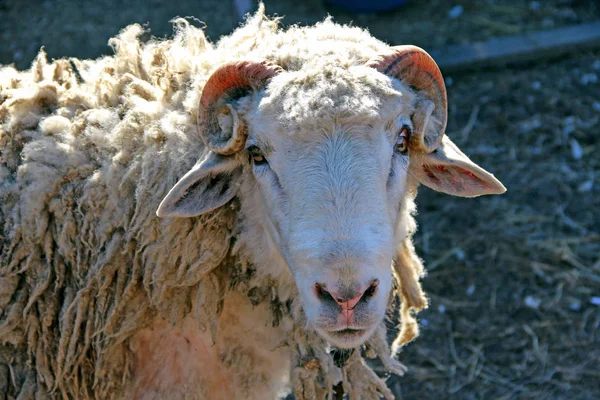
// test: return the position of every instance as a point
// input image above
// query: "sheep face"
(325, 178)
(328, 180)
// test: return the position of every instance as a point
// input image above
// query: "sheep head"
(325, 161)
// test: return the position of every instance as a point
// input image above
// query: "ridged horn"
(416, 68)
(227, 83)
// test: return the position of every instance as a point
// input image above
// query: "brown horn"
(413, 66)
(225, 85)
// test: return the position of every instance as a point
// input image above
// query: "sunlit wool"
(88, 149)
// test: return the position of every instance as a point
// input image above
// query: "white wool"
(88, 149)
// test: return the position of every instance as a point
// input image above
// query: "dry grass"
(513, 278)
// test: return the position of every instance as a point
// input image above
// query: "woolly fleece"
(88, 149)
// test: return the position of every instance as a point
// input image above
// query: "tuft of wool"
(88, 149)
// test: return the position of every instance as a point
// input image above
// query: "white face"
(323, 184)
(330, 170)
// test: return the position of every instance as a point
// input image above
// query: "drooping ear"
(211, 183)
(449, 170)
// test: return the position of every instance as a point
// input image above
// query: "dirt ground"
(514, 280)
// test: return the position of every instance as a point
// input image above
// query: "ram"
(188, 220)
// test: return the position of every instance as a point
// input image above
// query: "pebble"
(455, 11)
(442, 308)
(596, 65)
(535, 5)
(595, 300)
(586, 186)
(536, 85)
(589, 78)
(18, 55)
(568, 126)
(532, 302)
(470, 289)
(459, 253)
(576, 150)
(575, 305)
(596, 106)
(449, 81)
(530, 124)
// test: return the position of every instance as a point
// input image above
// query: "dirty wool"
(88, 149)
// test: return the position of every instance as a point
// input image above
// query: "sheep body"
(88, 148)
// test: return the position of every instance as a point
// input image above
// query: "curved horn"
(225, 85)
(413, 66)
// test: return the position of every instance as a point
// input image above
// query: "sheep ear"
(210, 184)
(449, 170)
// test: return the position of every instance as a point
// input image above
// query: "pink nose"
(347, 304)
(346, 300)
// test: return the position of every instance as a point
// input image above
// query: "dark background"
(514, 280)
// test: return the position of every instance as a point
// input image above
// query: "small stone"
(568, 126)
(586, 79)
(424, 322)
(455, 11)
(536, 85)
(586, 186)
(470, 289)
(535, 150)
(18, 55)
(530, 124)
(459, 253)
(575, 305)
(576, 150)
(442, 309)
(595, 300)
(596, 106)
(596, 65)
(535, 5)
(449, 81)
(532, 302)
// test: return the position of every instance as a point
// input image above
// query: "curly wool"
(88, 149)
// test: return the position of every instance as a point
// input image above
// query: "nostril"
(322, 293)
(318, 288)
(346, 300)
(371, 290)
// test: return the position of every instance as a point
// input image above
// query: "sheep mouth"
(348, 332)
(346, 338)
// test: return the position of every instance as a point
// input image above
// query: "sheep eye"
(257, 156)
(401, 145)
